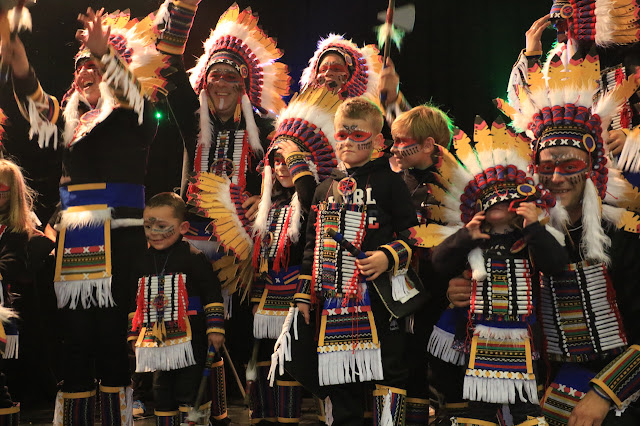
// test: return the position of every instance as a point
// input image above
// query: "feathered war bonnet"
(134, 41)
(561, 105)
(308, 122)
(603, 22)
(364, 65)
(238, 41)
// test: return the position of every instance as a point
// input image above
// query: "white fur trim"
(126, 223)
(73, 220)
(253, 133)
(206, 126)
(293, 231)
(164, 358)
(595, 242)
(486, 332)
(19, 19)
(322, 119)
(476, 261)
(260, 224)
(162, 15)
(629, 159)
(399, 289)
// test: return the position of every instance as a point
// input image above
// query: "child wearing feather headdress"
(506, 246)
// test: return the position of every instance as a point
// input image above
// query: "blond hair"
(18, 216)
(361, 108)
(425, 121)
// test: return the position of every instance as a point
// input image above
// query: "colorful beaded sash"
(229, 156)
(274, 304)
(568, 388)
(334, 269)
(348, 345)
(83, 257)
(500, 366)
(506, 293)
(164, 341)
(580, 314)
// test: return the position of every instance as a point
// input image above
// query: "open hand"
(529, 212)
(615, 141)
(474, 227)
(534, 35)
(94, 36)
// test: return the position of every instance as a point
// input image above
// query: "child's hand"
(529, 212)
(474, 226)
(216, 339)
(304, 309)
(287, 147)
(375, 264)
(251, 204)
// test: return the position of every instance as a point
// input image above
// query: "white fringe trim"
(282, 347)
(476, 262)
(73, 293)
(335, 368)
(11, 350)
(399, 289)
(267, 326)
(440, 345)
(485, 332)
(73, 220)
(41, 127)
(162, 15)
(117, 76)
(253, 133)
(164, 358)
(499, 391)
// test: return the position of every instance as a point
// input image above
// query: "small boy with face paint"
(178, 309)
(370, 205)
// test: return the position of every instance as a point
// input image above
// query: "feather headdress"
(560, 105)
(364, 64)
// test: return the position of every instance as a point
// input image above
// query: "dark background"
(459, 57)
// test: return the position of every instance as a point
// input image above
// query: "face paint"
(564, 170)
(332, 72)
(406, 147)
(361, 137)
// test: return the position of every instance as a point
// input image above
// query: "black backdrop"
(459, 57)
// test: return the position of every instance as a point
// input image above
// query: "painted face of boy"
(162, 228)
(563, 170)
(411, 153)
(355, 140)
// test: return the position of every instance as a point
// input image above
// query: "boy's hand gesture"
(216, 339)
(474, 227)
(286, 148)
(529, 212)
(372, 266)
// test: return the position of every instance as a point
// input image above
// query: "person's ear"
(184, 227)
(378, 141)
(428, 145)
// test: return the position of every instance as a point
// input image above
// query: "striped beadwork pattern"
(218, 391)
(263, 401)
(289, 401)
(78, 408)
(559, 401)
(334, 269)
(417, 412)
(395, 400)
(506, 293)
(620, 379)
(215, 317)
(10, 416)
(580, 314)
(276, 238)
(175, 35)
(347, 328)
(500, 359)
(278, 292)
(230, 145)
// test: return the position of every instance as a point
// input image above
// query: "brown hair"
(362, 109)
(172, 200)
(18, 216)
(425, 121)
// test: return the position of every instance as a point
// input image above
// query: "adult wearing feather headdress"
(235, 86)
(106, 132)
(612, 28)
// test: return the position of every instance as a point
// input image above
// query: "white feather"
(206, 126)
(262, 217)
(595, 242)
(253, 133)
(476, 262)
